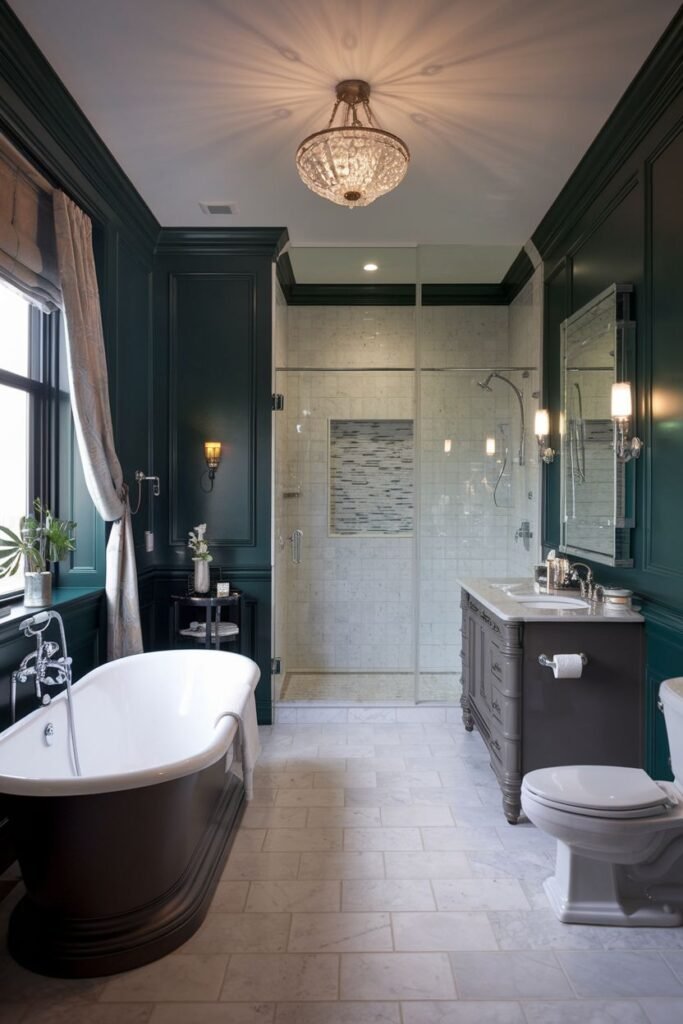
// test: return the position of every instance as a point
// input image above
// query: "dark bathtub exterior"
(115, 880)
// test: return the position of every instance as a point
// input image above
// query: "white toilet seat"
(599, 791)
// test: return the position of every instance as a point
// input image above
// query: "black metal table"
(213, 607)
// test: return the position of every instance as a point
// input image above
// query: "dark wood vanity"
(527, 718)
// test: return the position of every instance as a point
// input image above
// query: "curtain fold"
(92, 417)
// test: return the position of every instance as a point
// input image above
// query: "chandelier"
(352, 163)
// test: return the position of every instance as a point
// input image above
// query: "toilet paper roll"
(567, 666)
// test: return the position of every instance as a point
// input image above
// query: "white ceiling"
(206, 100)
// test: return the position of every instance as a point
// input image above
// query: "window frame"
(43, 435)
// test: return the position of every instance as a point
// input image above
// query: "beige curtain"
(92, 416)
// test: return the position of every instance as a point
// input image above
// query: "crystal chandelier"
(353, 163)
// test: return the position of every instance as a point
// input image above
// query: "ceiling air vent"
(214, 209)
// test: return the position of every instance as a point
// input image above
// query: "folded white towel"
(243, 710)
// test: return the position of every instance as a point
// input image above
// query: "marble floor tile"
(345, 780)
(377, 797)
(443, 930)
(189, 978)
(585, 1011)
(642, 938)
(427, 865)
(283, 839)
(540, 929)
(287, 779)
(675, 961)
(252, 866)
(509, 976)
(436, 796)
(249, 839)
(660, 1010)
(311, 797)
(462, 1013)
(338, 1013)
(229, 897)
(288, 977)
(69, 1013)
(344, 817)
(340, 933)
(396, 976)
(274, 817)
(348, 864)
(391, 780)
(532, 867)
(403, 817)
(615, 974)
(284, 897)
(382, 839)
(387, 894)
(461, 839)
(479, 894)
(240, 933)
(216, 1013)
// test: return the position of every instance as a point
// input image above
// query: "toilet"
(619, 835)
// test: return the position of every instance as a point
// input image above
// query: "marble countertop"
(497, 596)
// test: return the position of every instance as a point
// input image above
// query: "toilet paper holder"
(550, 662)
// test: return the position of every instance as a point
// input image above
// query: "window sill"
(62, 597)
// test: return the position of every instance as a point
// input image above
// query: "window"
(24, 412)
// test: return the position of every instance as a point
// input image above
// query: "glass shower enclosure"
(394, 474)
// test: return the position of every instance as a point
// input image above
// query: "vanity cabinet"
(526, 717)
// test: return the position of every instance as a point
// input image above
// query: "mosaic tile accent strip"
(371, 477)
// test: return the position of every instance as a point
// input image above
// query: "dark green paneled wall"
(213, 382)
(628, 227)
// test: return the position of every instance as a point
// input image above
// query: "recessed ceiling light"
(370, 267)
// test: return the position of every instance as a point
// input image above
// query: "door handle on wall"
(295, 540)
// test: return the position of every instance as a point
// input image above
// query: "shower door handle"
(295, 540)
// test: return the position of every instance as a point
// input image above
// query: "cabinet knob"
(496, 744)
(495, 705)
(495, 667)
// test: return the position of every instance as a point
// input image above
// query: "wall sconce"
(542, 432)
(490, 446)
(622, 411)
(447, 446)
(212, 454)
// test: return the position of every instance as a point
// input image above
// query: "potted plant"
(201, 558)
(43, 539)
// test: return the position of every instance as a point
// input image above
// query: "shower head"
(485, 385)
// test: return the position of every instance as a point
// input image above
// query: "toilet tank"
(671, 696)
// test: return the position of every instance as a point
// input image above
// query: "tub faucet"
(39, 664)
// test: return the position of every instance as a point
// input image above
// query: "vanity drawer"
(505, 753)
(506, 712)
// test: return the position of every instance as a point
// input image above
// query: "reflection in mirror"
(597, 346)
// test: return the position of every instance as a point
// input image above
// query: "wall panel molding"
(214, 374)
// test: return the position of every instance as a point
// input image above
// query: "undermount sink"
(549, 602)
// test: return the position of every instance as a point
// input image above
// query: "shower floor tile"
(370, 686)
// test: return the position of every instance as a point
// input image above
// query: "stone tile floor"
(374, 880)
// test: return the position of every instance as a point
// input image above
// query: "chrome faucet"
(38, 666)
(40, 663)
(589, 589)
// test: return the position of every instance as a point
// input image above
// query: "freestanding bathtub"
(120, 864)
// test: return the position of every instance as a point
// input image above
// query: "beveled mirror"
(596, 498)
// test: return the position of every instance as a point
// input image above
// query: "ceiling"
(207, 100)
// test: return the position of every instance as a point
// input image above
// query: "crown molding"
(224, 241)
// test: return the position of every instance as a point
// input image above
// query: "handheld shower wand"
(485, 385)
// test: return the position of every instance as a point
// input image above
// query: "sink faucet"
(587, 585)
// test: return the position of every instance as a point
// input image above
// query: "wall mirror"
(597, 489)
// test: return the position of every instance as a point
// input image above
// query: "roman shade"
(28, 259)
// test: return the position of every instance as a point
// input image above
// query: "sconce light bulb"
(622, 403)
(447, 445)
(542, 423)
(490, 446)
